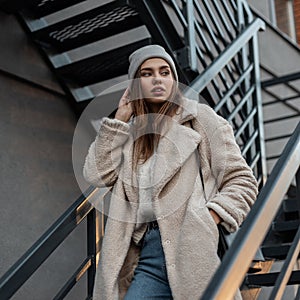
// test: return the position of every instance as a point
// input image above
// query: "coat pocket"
(211, 224)
(207, 225)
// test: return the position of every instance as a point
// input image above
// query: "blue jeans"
(150, 279)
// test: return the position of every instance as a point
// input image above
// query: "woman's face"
(156, 80)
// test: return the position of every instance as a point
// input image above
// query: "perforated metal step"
(90, 26)
(101, 67)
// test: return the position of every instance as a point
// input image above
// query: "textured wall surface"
(37, 179)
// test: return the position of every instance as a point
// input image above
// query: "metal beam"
(281, 79)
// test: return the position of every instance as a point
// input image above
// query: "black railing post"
(298, 192)
(92, 248)
(191, 36)
(257, 101)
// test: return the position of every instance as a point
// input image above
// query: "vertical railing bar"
(243, 62)
(250, 142)
(200, 82)
(232, 19)
(63, 292)
(179, 13)
(215, 22)
(91, 249)
(254, 160)
(248, 11)
(257, 101)
(213, 81)
(286, 269)
(191, 35)
(204, 41)
(233, 4)
(219, 12)
(212, 35)
(208, 28)
(221, 95)
(240, 16)
(241, 103)
(209, 53)
(222, 76)
(201, 57)
(298, 191)
(221, 73)
(245, 123)
(234, 87)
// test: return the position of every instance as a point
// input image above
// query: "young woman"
(161, 235)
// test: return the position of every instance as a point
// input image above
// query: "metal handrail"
(236, 261)
(207, 76)
(20, 272)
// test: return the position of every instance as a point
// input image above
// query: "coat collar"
(174, 148)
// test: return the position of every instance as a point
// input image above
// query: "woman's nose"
(156, 79)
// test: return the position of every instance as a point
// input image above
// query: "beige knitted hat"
(146, 52)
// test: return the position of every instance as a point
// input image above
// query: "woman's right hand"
(124, 111)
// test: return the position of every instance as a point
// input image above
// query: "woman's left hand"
(124, 111)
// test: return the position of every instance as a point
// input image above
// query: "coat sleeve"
(236, 184)
(102, 163)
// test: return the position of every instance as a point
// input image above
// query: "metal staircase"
(87, 44)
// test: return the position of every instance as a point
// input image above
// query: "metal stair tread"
(101, 67)
(290, 205)
(269, 279)
(280, 226)
(41, 8)
(278, 251)
(87, 27)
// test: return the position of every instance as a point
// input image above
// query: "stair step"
(283, 226)
(90, 26)
(269, 279)
(41, 8)
(291, 205)
(279, 251)
(101, 67)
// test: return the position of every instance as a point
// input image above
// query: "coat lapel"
(129, 176)
(174, 148)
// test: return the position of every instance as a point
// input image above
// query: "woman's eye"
(146, 74)
(165, 73)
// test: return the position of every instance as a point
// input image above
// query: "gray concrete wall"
(37, 180)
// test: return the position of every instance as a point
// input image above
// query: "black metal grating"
(88, 27)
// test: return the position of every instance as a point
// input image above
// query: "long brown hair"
(148, 127)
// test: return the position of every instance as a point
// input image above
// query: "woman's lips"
(157, 91)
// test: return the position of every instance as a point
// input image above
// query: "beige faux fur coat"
(189, 234)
